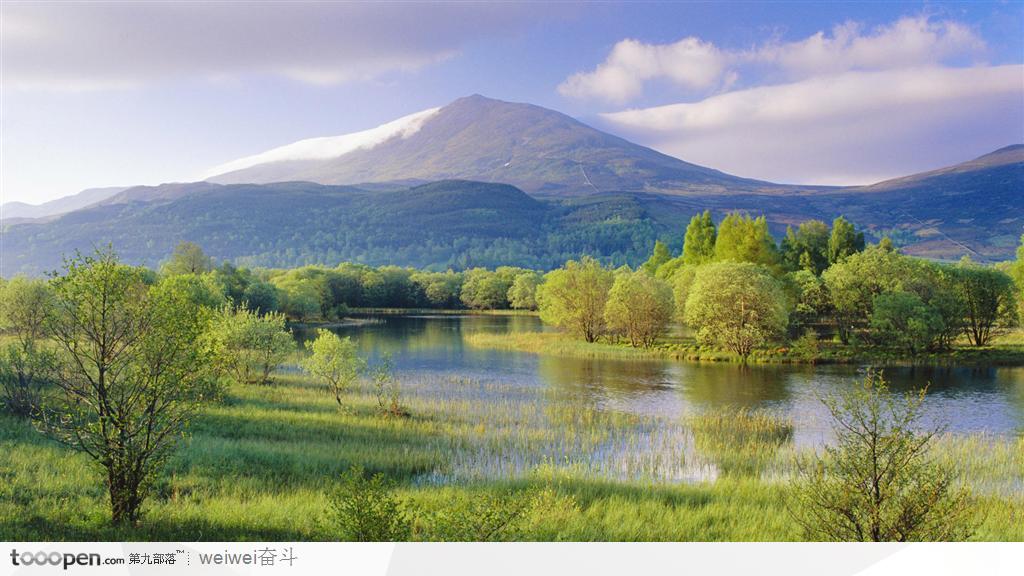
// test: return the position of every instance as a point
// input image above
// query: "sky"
(114, 94)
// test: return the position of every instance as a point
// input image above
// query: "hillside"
(463, 223)
(475, 138)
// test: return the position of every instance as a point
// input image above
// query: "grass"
(1007, 350)
(260, 466)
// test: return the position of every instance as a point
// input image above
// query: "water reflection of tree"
(732, 385)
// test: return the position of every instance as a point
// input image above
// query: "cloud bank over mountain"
(849, 106)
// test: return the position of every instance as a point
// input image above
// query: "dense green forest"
(820, 281)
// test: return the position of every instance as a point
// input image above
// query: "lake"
(432, 361)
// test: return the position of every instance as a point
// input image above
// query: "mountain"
(13, 210)
(972, 208)
(540, 151)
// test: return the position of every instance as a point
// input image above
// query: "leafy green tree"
(188, 258)
(903, 320)
(26, 363)
(248, 346)
(806, 248)
(743, 239)
(133, 372)
(812, 299)
(737, 305)
(639, 306)
(485, 289)
(301, 298)
(201, 290)
(670, 268)
(844, 241)
(682, 282)
(573, 297)
(1017, 273)
(260, 297)
(334, 361)
(878, 482)
(988, 300)
(441, 289)
(523, 293)
(854, 283)
(699, 242)
(660, 256)
(365, 509)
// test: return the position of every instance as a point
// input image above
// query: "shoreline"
(560, 344)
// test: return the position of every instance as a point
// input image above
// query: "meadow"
(260, 464)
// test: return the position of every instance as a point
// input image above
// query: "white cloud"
(849, 128)
(330, 146)
(908, 42)
(89, 46)
(689, 62)
(695, 64)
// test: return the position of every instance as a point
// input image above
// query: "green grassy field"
(260, 466)
(1007, 350)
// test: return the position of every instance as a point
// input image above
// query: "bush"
(482, 518)
(248, 346)
(807, 346)
(365, 509)
(878, 483)
(388, 390)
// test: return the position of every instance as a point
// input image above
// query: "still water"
(964, 399)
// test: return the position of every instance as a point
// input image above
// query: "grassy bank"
(436, 311)
(260, 465)
(1007, 351)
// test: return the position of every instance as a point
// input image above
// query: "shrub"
(639, 306)
(365, 509)
(878, 483)
(388, 390)
(248, 346)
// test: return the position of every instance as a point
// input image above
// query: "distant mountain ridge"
(485, 182)
(538, 150)
(62, 205)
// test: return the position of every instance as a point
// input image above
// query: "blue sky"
(832, 93)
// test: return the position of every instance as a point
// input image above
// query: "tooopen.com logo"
(60, 559)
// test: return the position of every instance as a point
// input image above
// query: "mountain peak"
(538, 150)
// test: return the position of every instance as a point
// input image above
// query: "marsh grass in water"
(262, 464)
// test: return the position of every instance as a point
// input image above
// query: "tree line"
(736, 289)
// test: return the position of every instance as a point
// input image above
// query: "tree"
(441, 289)
(660, 256)
(699, 242)
(248, 346)
(26, 363)
(878, 482)
(854, 283)
(573, 297)
(737, 305)
(987, 298)
(812, 300)
(334, 361)
(743, 239)
(188, 258)
(1017, 272)
(201, 290)
(669, 269)
(844, 241)
(133, 373)
(903, 320)
(523, 293)
(260, 297)
(639, 306)
(806, 248)
(682, 282)
(485, 289)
